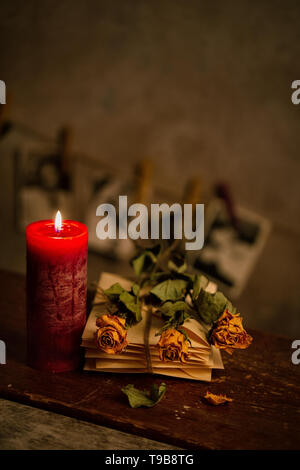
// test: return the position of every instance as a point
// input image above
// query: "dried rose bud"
(228, 333)
(173, 346)
(111, 336)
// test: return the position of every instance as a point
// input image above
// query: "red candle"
(56, 293)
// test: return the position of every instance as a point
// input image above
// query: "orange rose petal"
(213, 399)
(112, 320)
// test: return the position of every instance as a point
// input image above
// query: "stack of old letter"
(141, 354)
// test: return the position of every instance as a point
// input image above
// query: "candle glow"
(58, 222)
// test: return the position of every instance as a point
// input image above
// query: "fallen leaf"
(139, 398)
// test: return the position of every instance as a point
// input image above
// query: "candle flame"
(58, 222)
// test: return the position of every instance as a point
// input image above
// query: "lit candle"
(56, 293)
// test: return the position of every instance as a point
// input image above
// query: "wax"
(56, 294)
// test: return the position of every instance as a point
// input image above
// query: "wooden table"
(264, 384)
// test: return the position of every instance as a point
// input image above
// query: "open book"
(142, 355)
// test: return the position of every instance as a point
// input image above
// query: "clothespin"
(144, 178)
(193, 190)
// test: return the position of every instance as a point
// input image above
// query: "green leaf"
(114, 291)
(138, 398)
(178, 269)
(170, 308)
(144, 261)
(231, 308)
(152, 279)
(117, 294)
(135, 289)
(200, 282)
(211, 306)
(174, 314)
(175, 323)
(159, 275)
(183, 331)
(138, 264)
(132, 304)
(170, 289)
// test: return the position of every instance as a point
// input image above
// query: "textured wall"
(200, 86)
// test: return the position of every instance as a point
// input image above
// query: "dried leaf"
(211, 306)
(171, 289)
(126, 301)
(200, 282)
(178, 269)
(138, 398)
(145, 260)
(114, 291)
(132, 304)
(170, 308)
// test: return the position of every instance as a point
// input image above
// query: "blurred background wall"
(198, 86)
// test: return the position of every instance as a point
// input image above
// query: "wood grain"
(265, 413)
(23, 427)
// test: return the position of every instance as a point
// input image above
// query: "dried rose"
(111, 336)
(216, 399)
(228, 333)
(173, 346)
